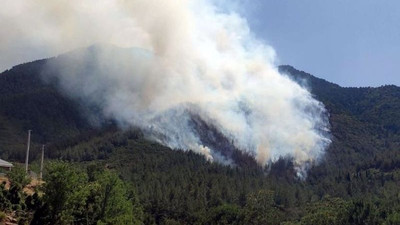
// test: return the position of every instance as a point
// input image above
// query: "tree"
(224, 215)
(70, 197)
(262, 209)
(113, 198)
(18, 180)
(65, 195)
(329, 211)
(4, 202)
(393, 219)
(364, 212)
(18, 176)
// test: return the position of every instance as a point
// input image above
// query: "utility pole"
(27, 151)
(41, 164)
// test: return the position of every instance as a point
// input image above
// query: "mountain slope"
(29, 103)
(379, 106)
(364, 127)
(363, 160)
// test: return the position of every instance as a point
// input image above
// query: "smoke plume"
(175, 59)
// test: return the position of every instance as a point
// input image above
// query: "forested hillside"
(356, 182)
(29, 103)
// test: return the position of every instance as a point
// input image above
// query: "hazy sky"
(352, 43)
(349, 42)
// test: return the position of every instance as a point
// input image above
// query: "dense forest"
(106, 175)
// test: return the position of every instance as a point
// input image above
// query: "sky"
(351, 43)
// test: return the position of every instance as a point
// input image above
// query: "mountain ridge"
(26, 79)
(361, 168)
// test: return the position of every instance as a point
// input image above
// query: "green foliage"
(329, 211)
(18, 177)
(262, 209)
(33, 202)
(361, 212)
(224, 215)
(393, 219)
(15, 196)
(2, 216)
(4, 201)
(115, 207)
(70, 197)
(65, 193)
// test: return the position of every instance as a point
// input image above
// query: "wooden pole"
(27, 151)
(41, 164)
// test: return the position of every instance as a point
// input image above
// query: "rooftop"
(5, 163)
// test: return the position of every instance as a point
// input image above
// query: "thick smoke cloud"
(189, 58)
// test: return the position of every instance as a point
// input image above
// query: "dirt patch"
(31, 187)
(28, 189)
(5, 179)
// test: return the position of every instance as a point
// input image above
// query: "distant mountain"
(365, 123)
(30, 99)
(363, 161)
(374, 105)
(28, 102)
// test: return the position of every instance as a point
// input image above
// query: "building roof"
(5, 163)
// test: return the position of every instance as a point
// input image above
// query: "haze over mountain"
(365, 128)
(33, 99)
(196, 57)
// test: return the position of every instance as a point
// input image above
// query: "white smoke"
(190, 58)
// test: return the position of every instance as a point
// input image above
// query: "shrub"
(2, 216)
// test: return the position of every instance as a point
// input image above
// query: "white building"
(5, 164)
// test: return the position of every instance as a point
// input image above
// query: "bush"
(18, 177)
(2, 216)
